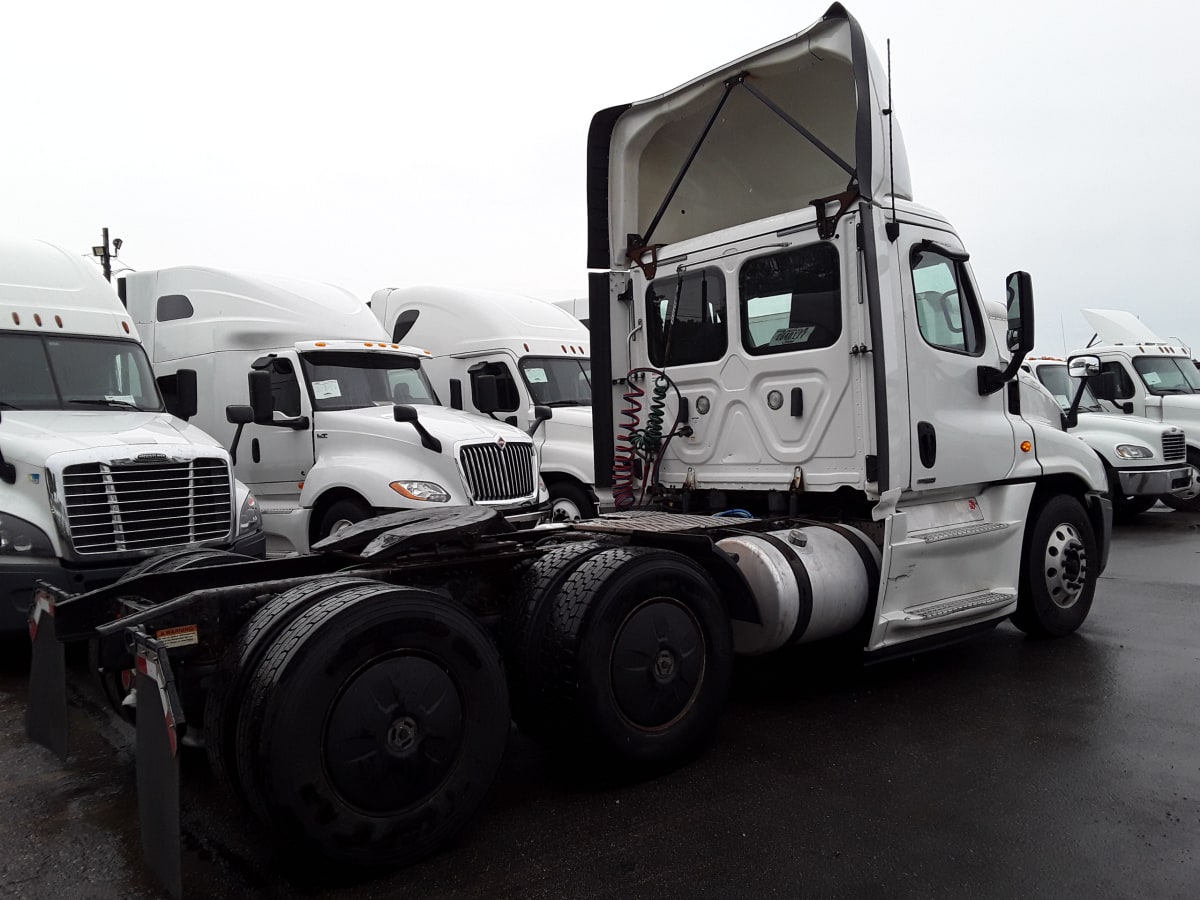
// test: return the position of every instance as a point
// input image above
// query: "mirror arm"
(991, 380)
(1073, 412)
(237, 436)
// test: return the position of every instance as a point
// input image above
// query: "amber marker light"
(1026, 446)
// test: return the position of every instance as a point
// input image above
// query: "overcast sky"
(390, 144)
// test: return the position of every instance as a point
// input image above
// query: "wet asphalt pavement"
(1000, 767)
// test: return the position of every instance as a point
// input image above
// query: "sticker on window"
(326, 390)
(536, 376)
(792, 335)
(1152, 378)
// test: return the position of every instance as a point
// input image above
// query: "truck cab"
(95, 473)
(1143, 459)
(531, 356)
(331, 422)
(788, 332)
(1153, 378)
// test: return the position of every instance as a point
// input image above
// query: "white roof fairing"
(1117, 326)
(753, 163)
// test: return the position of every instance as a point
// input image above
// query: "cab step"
(966, 606)
(961, 531)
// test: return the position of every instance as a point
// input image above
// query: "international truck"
(96, 474)
(1143, 460)
(337, 422)
(813, 434)
(1152, 377)
(505, 356)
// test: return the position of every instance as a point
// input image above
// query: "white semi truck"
(506, 356)
(1144, 460)
(1152, 377)
(342, 423)
(95, 473)
(810, 398)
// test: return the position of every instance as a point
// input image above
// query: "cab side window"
(507, 395)
(1124, 382)
(947, 311)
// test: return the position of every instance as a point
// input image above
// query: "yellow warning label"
(181, 636)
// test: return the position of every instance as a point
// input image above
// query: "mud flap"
(46, 710)
(159, 723)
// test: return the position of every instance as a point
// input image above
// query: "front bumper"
(19, 577)
(1153, 481)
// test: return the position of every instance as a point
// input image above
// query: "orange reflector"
(320, 343)
(37, 318)
(1026, 446)
(300, 485)
(526, 348)
(564, 348)
(58, 321)
(16, 319)
(125, 325)
(368, 344)
(395, 346)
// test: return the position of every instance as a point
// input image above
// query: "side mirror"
(1019, 288)
(402, 413)
(540, 415)
(407, 414)
(260, 397)
(1083, 366)
(186, 394)
(239, 415)
(485, 393)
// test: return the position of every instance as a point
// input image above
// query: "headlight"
(249, 518)
(1134, 451)
(425, 491)
(20, 538)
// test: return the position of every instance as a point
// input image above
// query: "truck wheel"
(342, 514)
(1187, 500)
(638, 656)
(524, 627)
(382, 720)
(239, 663)
(1058, 570)
(569, 502)
(116, 685)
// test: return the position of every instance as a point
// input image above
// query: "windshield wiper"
(111, 404)
(6, 405)
(553, 403)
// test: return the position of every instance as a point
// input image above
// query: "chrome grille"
(118, 508)
(1174, 446)
(494, 472)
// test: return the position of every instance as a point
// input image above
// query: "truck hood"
(1116, 326)
(1121, 429)
(32, 436)
(450, 426)
(1183, 410)
(747, 122)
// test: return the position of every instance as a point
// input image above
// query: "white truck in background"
(577, 307)
(1144, 460)
(342, 423)
(505, 355)
(96, 474)
(1152, 377)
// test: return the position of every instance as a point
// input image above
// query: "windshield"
(1168, 375)
(558, 381)
(39, 372)
(1063, 387)
(346, 379)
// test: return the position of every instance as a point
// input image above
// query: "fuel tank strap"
(803, 586)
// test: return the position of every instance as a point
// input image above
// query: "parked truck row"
(808, 424)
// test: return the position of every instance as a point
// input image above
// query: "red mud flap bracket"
(159, 726)
(46, 712)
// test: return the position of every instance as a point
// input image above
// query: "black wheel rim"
(657, 664)
(394, 733)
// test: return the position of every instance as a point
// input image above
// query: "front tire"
(342, 515)
(1059, 570)
(570, 503)
(1187, 500)
(377, 722)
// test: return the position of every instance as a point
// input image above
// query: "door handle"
(927, 444)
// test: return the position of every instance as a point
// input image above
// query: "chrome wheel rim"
(1065, 565)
